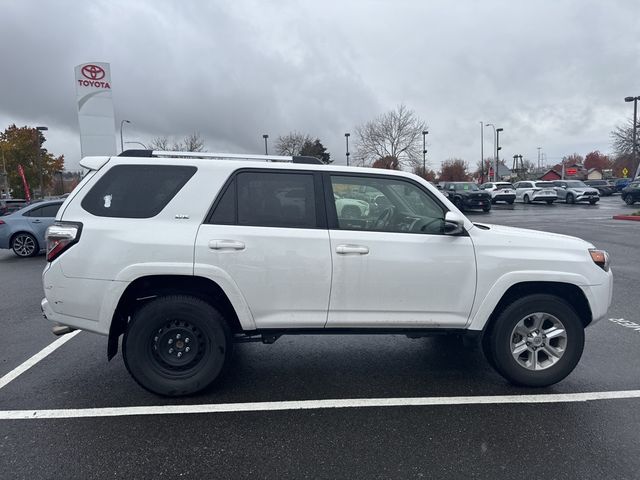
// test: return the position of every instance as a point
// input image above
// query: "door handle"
(226, 245)
(352, 249)
(36, 221)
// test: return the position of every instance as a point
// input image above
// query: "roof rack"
(221, 156)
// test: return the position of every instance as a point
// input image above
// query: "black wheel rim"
(178, 348)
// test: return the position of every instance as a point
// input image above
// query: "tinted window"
(49, 210)
(276, 199)
(385, 204)
(225, 210)
(136, 191)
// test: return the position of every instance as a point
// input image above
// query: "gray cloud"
(551, 73)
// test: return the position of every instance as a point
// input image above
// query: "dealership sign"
(95, 109)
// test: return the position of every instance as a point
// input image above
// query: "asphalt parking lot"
(466, 424)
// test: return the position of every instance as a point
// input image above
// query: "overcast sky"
(552, 73)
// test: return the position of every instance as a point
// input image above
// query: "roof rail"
(221, 156)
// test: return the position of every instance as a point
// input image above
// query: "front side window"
(136, 191)
(385, 204)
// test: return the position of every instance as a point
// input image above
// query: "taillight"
(60, 236)
(1, 222)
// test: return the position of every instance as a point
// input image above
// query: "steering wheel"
(420, 225)
(385, 217)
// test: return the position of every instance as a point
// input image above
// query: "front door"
(392, 265)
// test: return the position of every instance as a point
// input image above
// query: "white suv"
(185, 256)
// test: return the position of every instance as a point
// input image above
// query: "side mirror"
(453, 223)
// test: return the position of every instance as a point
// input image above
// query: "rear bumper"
(504, 197)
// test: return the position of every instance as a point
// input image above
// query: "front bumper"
(599, 297)
(587, 198)
(476, 202)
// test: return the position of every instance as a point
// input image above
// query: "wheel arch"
(146, 288)
(568, 292)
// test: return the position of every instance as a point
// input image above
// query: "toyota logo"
(93, 72)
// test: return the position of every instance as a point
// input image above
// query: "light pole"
(635, 135)
(266, 151)
(498, 147)
(39, 158)
(121, 142)
(424, 151)
(494, 148)
(346, 137)
(481, 152)
(5, 176)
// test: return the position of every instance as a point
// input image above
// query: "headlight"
(600, 258)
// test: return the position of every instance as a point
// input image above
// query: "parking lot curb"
(635, 218)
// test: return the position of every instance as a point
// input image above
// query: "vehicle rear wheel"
(526, 199)
(549, 202)
(629, 200)
(536, 341)
(570, 198)
(510, 202)
(25, 245)
(176, 345)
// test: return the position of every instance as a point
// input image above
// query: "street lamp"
(482, 152)
(635, 135)
(266, 151)
(39, 158)
(498, 148)
(494, 147)
(424, 151)
(121, 142)
(139, 143)
(346, 137)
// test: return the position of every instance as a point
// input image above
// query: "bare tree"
(292, 143)
(622, 139)
(191, 143)
(397, 133)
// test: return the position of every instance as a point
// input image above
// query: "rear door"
(393, 267)
(267, 232)
(40, 218)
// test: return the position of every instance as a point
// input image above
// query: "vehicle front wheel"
(176, 345)
(25, 245)
(536, 341)
(526, 199)
(486, 208)
(593, 202)
(570, 198)
(629, 200)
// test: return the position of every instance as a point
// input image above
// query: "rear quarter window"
(136, 191)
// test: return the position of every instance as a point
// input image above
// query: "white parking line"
(20, 369)
(314, 405)
(626, 323)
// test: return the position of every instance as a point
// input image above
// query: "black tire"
(486, 208)
(25, 245)
(570, 198)
(526, 199)
(510, 202)
(629, 200)
(458, 203)
(593, 202)
(549, 202)
(171, 325)
(498, 344)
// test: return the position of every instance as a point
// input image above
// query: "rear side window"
(136, 191)
(44, 211)
(265, 199)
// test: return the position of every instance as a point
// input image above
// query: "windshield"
(576, 184)
(466, 186)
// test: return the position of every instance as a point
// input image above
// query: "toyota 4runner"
(183, 256)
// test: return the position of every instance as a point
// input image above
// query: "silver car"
(575, 191)
(23, 231)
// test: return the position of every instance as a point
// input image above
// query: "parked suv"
(467, 195)
(604, 187)
(500, 192)
(576, 191)
(631, 193)
(184, 256)
(528, 192)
